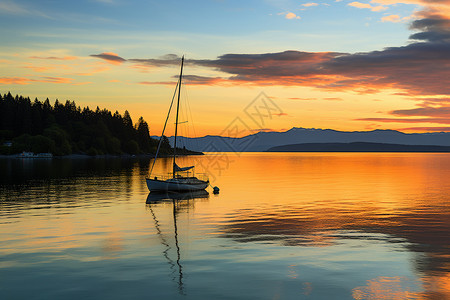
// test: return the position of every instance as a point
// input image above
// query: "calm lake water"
(284, 226)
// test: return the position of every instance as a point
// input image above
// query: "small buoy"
(216, 190)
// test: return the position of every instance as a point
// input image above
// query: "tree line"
(63, 129)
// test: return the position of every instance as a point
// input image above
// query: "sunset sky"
(344, 65)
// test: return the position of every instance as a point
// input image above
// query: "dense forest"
(63, 129)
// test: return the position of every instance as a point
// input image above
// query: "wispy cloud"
(315, 99)
(333, 99)
(14, 80)
(441, 112)
(157, 82)
(435, 115)
(39, 68)
(24, 80)
(54, 79)
(303, 99)
(166, 60)
(13, 8)
(33, 9)
(407, 120)
(55, 57)
(9, 7)
(426, 129)
(426, 102)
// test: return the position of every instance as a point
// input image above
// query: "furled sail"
(178, 169)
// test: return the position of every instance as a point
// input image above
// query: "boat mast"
(176, 120)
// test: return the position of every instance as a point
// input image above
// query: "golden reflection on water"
(306, 202)
(317, 199)
(435, 287)
(386, 288)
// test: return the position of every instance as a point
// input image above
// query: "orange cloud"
(439, 113)
(429, 7)
(426, 129)
(391, 18)
(55, 80)
(392, 2)
(367, 5)
(407, 120)
(310, 4)
(417, 2)
(39, 69)
(14, 80)
(23, 80)
(291, 15)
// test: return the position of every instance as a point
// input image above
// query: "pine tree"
(143, 135)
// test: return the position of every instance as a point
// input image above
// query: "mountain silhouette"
(263, 141)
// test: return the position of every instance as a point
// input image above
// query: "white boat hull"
(176, 185)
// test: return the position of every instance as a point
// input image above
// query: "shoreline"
(150, 156)
(85, 156)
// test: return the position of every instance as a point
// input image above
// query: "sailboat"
(182, 178)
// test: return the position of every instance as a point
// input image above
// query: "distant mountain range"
(263, 141)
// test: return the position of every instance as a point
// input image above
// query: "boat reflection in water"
(179, 201)
(154, 197)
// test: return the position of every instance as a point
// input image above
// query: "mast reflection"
(178, 201)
